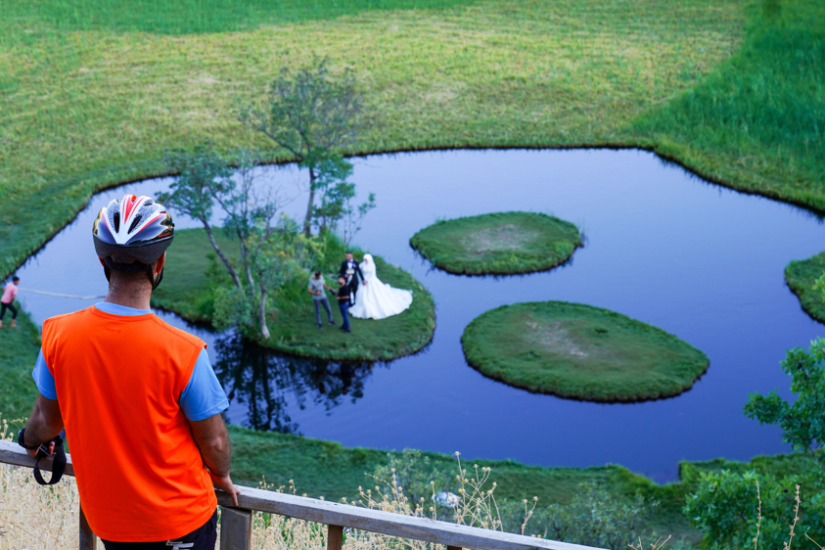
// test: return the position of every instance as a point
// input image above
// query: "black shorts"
(202, 538)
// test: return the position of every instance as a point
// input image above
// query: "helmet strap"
(158, 279)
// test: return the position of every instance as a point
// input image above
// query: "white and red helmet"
(130, 234)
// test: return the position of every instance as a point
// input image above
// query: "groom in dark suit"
(351, 271)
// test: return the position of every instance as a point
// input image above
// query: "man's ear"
(160, 263)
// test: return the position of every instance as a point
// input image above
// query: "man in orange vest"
(138, 398)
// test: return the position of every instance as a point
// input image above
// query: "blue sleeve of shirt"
(204, 395)
(44, 379)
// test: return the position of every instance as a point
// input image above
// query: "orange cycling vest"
(119, 379)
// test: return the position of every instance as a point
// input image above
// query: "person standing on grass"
(351, 271)
(138, 398)
(343, 302)
(7, 301)
(316, 287)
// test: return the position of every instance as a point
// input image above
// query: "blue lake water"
(702, 262)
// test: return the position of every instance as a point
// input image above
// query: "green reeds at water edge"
(759, 121)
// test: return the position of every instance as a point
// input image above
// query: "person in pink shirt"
(7, 301)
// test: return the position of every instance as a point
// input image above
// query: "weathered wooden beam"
(397, 525)
(236, 529)
(335, 537)
(88, 540)
(344, 515)
(14, 454)
(453, 547)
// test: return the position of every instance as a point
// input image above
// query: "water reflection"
(266, 382)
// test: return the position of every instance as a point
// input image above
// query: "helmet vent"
(116, 221)
(135, 222)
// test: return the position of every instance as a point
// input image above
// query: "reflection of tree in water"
(262, 379)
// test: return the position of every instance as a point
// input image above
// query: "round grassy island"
(193, 275)
(801, 276)
(504, 243)
(580, 352)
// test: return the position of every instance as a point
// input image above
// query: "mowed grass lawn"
(580, 352)
(91, 93)
(188, 290)
(502, 243)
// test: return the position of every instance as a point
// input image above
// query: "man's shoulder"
(66, 317)
(180, 334)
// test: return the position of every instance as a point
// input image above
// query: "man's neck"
(134, 296)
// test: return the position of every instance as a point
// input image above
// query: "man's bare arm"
(45, 422)
(213, 441)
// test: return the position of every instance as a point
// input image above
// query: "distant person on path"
(351, 271)
(316, 287)
(7, 301)
(343, 302)
(138, 398)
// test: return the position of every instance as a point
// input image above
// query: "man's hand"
(226, 485)
(45, 422)
(33, 452)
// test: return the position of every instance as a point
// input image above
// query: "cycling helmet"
(130, 234)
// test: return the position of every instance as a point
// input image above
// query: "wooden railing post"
(453, 547)
(236, 529)
(88, 540)
(335, 537)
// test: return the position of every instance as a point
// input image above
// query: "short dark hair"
(349, 252)
(15, 278)
(342, 278)
(317, 273)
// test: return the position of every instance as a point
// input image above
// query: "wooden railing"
(236, 522)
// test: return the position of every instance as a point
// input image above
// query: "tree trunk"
(221, 255)
(308, 218)
(262, 313)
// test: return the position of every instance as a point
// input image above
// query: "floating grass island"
(580, 352)
(801, 276)
(504, 243)
(192, 276)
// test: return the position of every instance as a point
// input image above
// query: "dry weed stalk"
(797, 502)
(657, 545)
(758, 516)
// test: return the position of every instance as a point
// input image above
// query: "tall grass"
(759, 121)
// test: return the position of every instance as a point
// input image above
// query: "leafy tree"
(269, 251)
(203, 176)
(275, 254)
(803, 421)
(732, 510)
(313, 115)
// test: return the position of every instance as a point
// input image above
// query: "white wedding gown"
(376, 300)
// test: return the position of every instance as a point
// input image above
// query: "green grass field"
(800, 277)
(504, 243)
(189, 291)
(93, 92)
(18, 352)
(580, 352)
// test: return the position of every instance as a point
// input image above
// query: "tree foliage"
(732, 509)
(803, 421)
(314, 115)
(203, 175)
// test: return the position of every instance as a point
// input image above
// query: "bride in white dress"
(376, 300)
